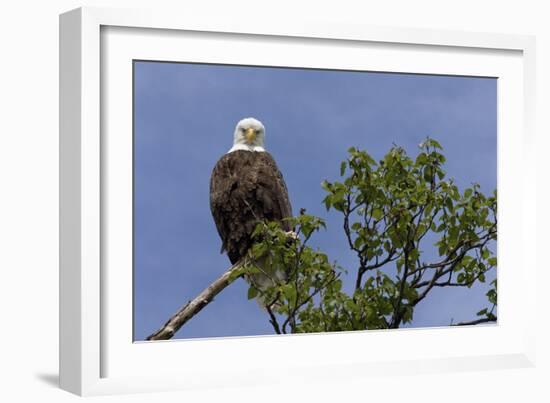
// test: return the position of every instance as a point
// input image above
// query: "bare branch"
(190, 309)
(477, 321)
(451, 261)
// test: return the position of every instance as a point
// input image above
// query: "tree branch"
(190, 309)
(273, 318)
(476, 322)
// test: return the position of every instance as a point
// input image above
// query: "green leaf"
(343, 168)
(421, 159)
(466, 260)
(290, 293)
(482, 312)
(449, 204)
(377, 213)
(359, 241)
(435, 144)
(453, 235)
(441, 227)
(328, 202)
(428, 174)
(252, 292)
(258, 249)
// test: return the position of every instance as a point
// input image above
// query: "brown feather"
(246, 187)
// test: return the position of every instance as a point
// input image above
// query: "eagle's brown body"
(246, 187)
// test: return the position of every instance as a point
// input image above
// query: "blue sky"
(184, 119)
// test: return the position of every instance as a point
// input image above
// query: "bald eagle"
(246, 187)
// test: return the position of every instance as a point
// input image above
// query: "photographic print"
(276, 200)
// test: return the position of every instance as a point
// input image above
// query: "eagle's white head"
(249, 135)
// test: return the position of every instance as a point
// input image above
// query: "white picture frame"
(97, 357)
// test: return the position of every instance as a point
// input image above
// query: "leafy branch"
(392, 207)
(392, 210)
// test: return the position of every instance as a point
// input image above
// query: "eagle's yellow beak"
(250, 135)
